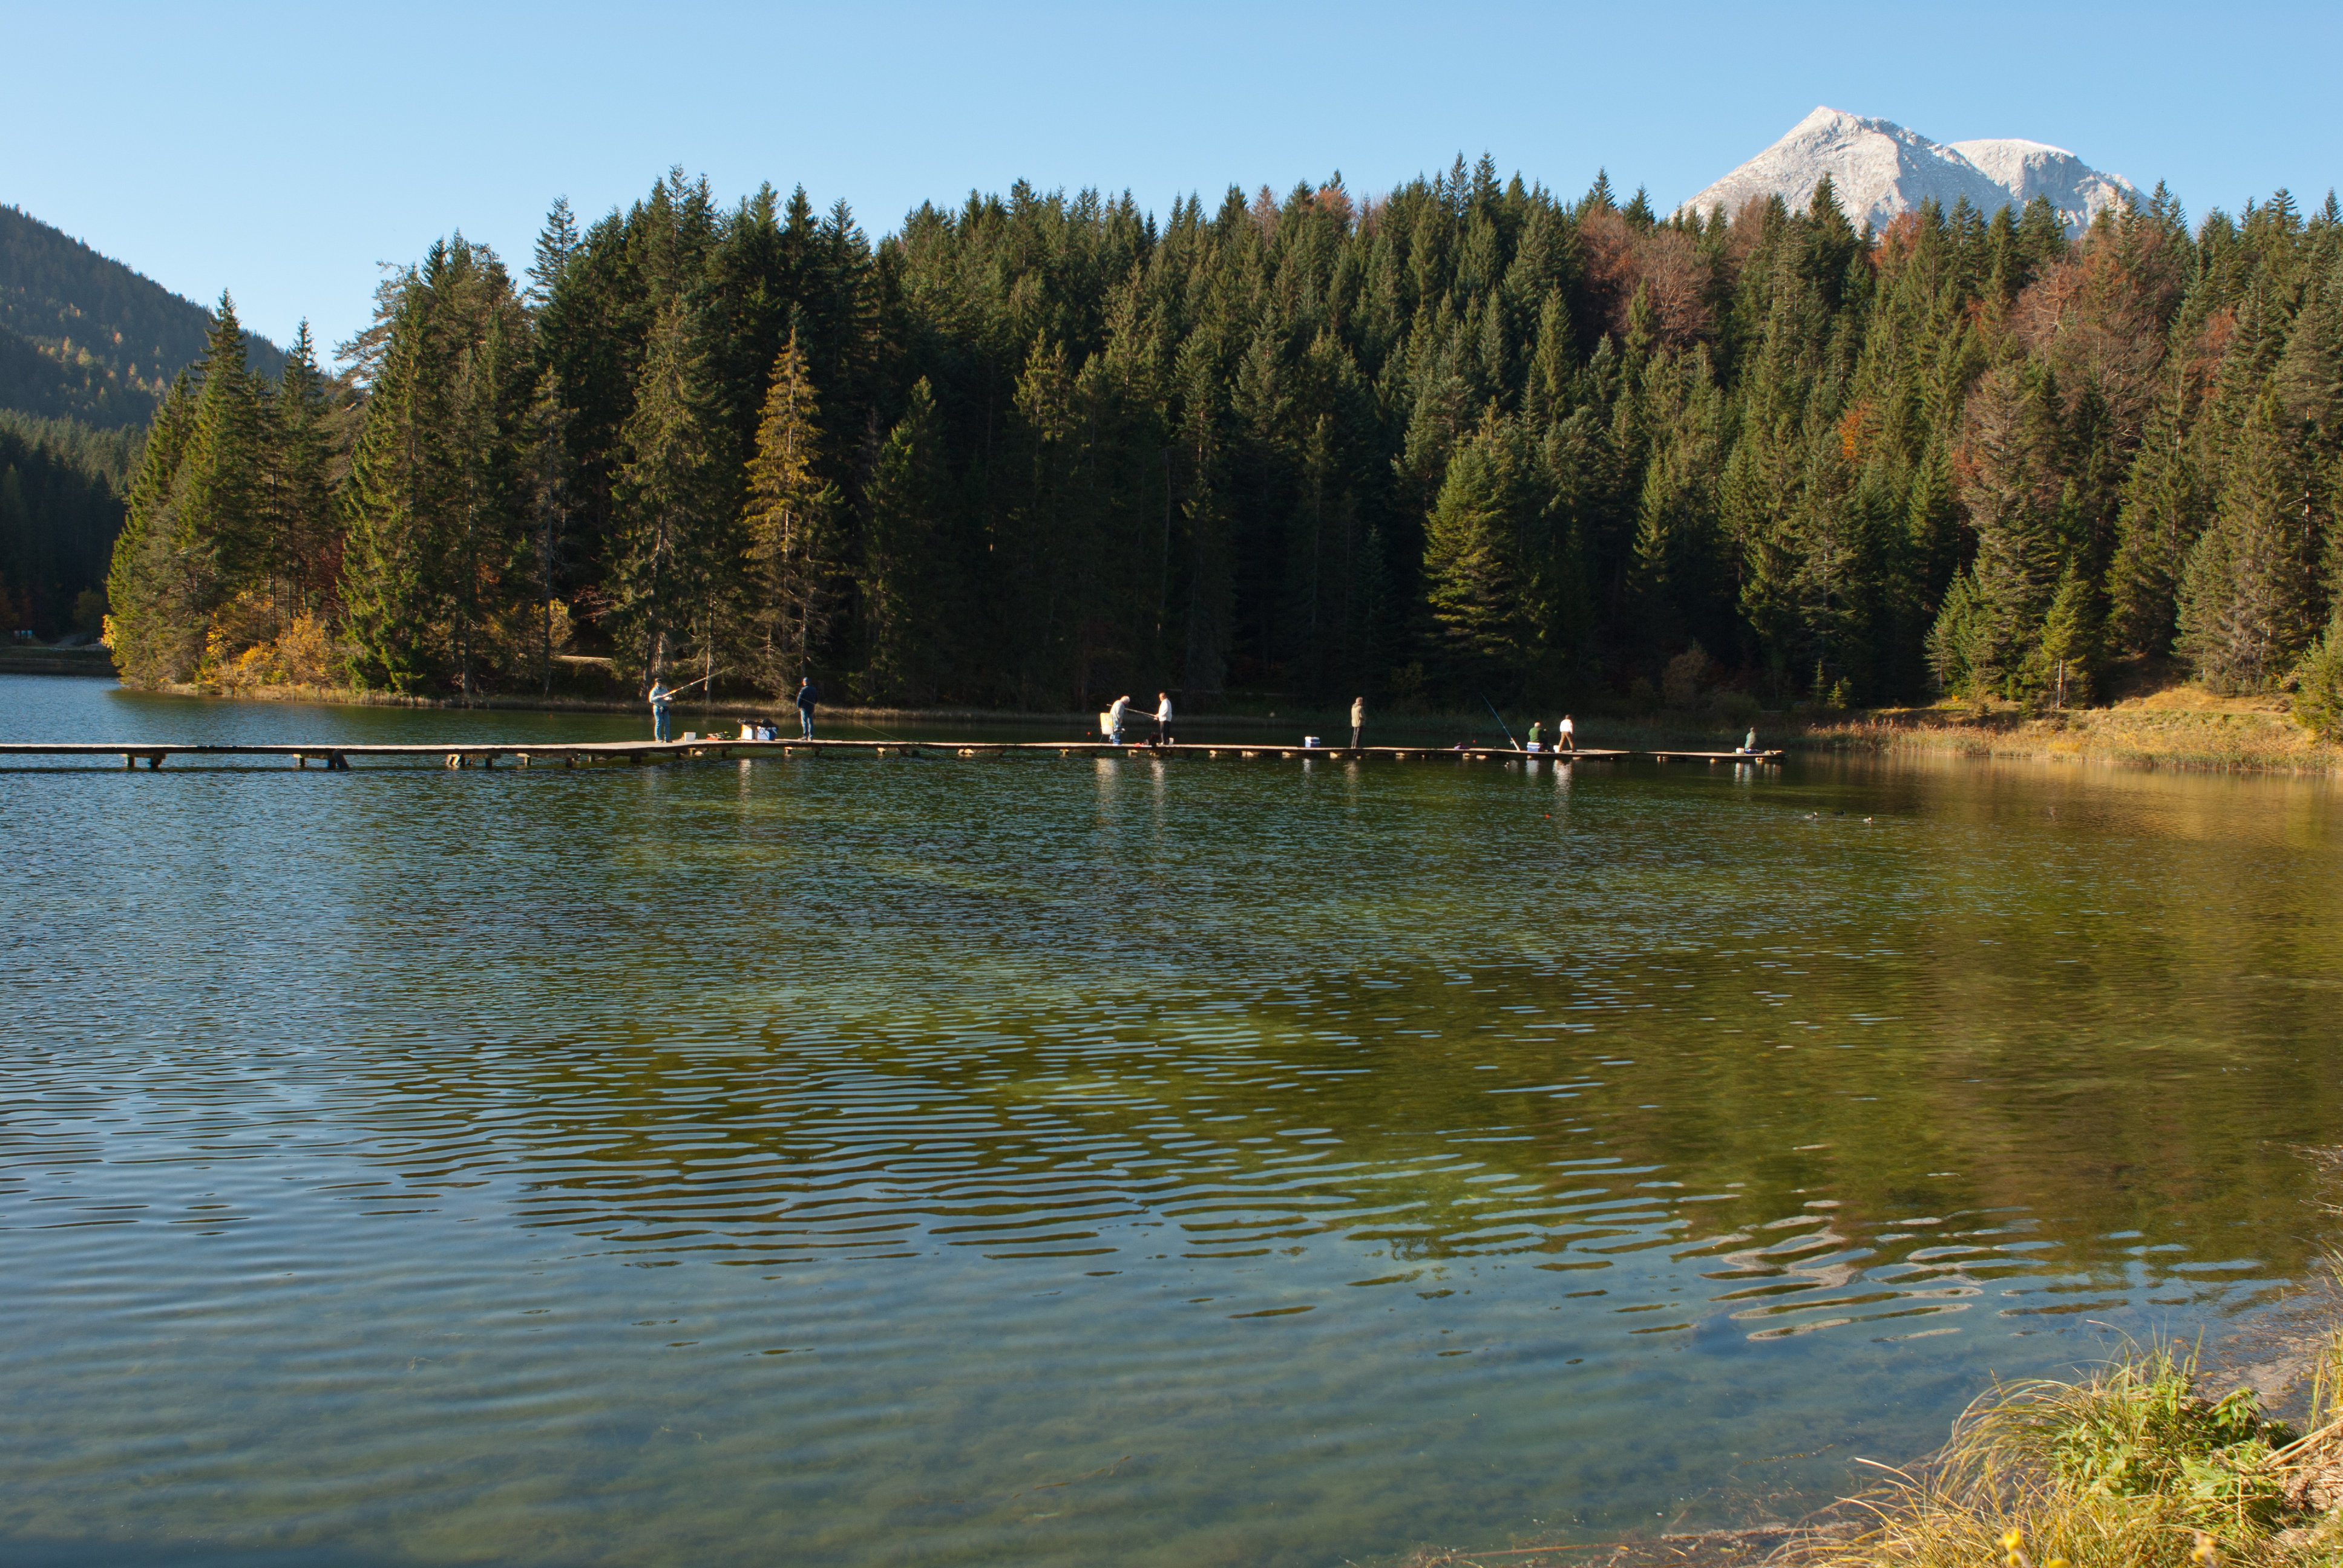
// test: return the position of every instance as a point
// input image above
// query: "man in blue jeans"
(806, 696)
(661, 695)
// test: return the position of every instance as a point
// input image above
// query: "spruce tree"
(1477, 583)
(160, 570)
(787, 526)
(673, 577)
(2249, 601)
(906, 566)
(300, 529)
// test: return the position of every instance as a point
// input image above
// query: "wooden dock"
(637, 753)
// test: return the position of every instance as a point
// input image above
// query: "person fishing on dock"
(1565, 735)
(807, 695)
(662, 696)
(1537, 730)
(1162, 719)
(1114, 714)
(1358, 720)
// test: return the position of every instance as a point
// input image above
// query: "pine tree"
(302, 546)
(1477, 582)
(2249, 604)
(2162, 515)
(906, 566)
(156, 583)
(396, 490)
(672, 575)
(436, 499)
(2009, 496)
(2066, 658)
(787, 524)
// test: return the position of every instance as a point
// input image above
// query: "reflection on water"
(916, 1160)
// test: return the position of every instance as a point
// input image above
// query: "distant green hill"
(84, 337)
(88, 348)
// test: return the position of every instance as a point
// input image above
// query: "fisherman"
(1749, 743)
(1162, 719)
(807, 695)
(1565, 735)
(661, 694)
(1358, 720)
(1114, 719)
(1536, 730)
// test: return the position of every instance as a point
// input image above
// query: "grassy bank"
(2146, 1463)
(2136, 1467)
(2183, 727)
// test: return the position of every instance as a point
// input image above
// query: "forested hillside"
(1465, 437)
(81, 337)
(62, 490)
(88, 348)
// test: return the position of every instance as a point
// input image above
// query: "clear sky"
(282, 151)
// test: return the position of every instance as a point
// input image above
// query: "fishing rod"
(1501, 722)
(679, 690)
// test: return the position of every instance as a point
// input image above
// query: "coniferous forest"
(1467, 437)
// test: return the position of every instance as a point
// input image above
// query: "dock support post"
(130, 761)
(153, 760)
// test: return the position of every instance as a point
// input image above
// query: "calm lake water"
(915, 1162)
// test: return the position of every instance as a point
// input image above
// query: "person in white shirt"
(1565, 735)
(1163, 717)
(1358, 720)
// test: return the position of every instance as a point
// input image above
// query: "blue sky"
(282, 151)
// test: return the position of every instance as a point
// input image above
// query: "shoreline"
(2176, 726)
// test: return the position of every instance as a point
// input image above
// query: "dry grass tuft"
(2132, 1469)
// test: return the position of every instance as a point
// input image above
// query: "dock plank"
(466, 754)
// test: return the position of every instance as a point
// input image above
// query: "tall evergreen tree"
(2250, 603)
(788, 523)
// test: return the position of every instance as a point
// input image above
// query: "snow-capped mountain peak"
(1879, 169)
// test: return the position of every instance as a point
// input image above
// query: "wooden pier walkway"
(605, 753)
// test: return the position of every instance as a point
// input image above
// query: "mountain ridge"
(1879, 170)
(85, 337)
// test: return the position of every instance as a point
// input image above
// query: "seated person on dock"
(1537, 730)
(1750, 744)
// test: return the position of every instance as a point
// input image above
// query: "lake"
(853, 1161)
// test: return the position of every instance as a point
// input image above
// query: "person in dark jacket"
(807, 695)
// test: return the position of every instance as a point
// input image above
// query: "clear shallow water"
(922, 1161)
